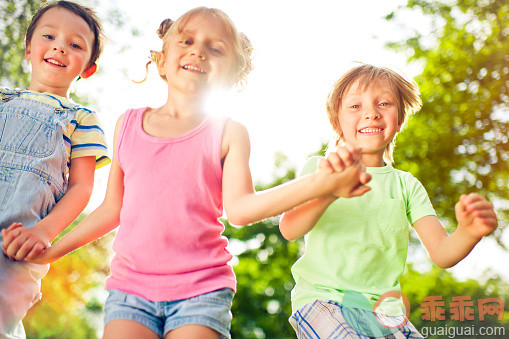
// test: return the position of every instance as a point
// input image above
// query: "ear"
(89, 71)
(27, 52)
(400, 124)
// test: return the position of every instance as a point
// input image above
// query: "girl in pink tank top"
(173, 172)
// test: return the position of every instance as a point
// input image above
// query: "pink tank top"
(169, 244)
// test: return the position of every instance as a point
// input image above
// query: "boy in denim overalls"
(49, 149)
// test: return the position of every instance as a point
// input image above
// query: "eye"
(384, 104)
(48, 36)
(216, 51)
(76, 46)
(355, 106)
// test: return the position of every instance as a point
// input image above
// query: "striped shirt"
(83, 135)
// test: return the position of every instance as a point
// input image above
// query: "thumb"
(364, 178)
(360, 191)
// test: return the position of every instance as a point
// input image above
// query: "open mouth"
(194, 69)
(54, 62)
(370, 130)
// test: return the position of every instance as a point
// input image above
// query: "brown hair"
(242, 48)
(85, 13)
(407, 96)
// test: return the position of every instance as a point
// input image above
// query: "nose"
(59, 48)
(199, 52)
(371, 113)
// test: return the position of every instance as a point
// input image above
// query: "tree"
(261, 306)
(458, 142)
(15, 15)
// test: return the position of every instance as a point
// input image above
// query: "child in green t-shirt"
(347, 280)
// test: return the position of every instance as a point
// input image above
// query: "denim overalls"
(33, 163)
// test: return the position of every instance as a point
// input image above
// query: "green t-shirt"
(360, 244)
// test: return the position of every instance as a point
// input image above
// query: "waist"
(169, 287)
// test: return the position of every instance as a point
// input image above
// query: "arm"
(30, 242)
(300, 220)
(242, 204)
(101, 221)
(476, 219)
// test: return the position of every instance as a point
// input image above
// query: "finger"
(346, 156)
(336, 162)
(324, 165)
(478, 205)
(14, 246)
(13, 226)
(35, 252)
(364, 178)
(360, 191)
(24, 250)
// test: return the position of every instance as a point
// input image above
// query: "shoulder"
(407, 178)
(234, 131)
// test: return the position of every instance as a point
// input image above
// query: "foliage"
(15, 15)
(261, 306)
(438, 282)
(458, 142)
(68, 293)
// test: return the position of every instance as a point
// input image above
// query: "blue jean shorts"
(210, 309)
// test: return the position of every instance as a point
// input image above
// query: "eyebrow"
(214, 39)
(74, 35)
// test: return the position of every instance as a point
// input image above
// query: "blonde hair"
(242, 48)
(407, 96)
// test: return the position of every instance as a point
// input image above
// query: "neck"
(373, 160)
(41, 88)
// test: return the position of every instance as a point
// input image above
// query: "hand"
(346, 169)
(351, 182)
(338, 160)
(475, 215)
(21, 243)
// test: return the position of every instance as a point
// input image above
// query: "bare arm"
(476, 219)
(31, 242)
(297, 222)
(242, 204)
(101, 221)
(300, 220)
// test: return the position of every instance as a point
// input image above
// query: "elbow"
(443, 264)
(238, 219)
(287, 235)
(286, 231)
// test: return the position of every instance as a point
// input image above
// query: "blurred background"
(456, 50)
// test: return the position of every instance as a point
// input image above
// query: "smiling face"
(368, 118)
(200, 56)
(59, 51)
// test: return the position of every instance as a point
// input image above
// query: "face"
(201, 57)
(369, 119)
(59, 51)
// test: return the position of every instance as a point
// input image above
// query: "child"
(173, 170)
(356, 248)
(44, 137)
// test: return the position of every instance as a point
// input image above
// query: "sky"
(300, 49)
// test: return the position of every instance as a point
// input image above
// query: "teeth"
(370, 130)
(54, 62)
(194, 69)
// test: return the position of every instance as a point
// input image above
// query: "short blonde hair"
(407, 96)
(242, 48)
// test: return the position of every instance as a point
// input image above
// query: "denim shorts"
(210, 309)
